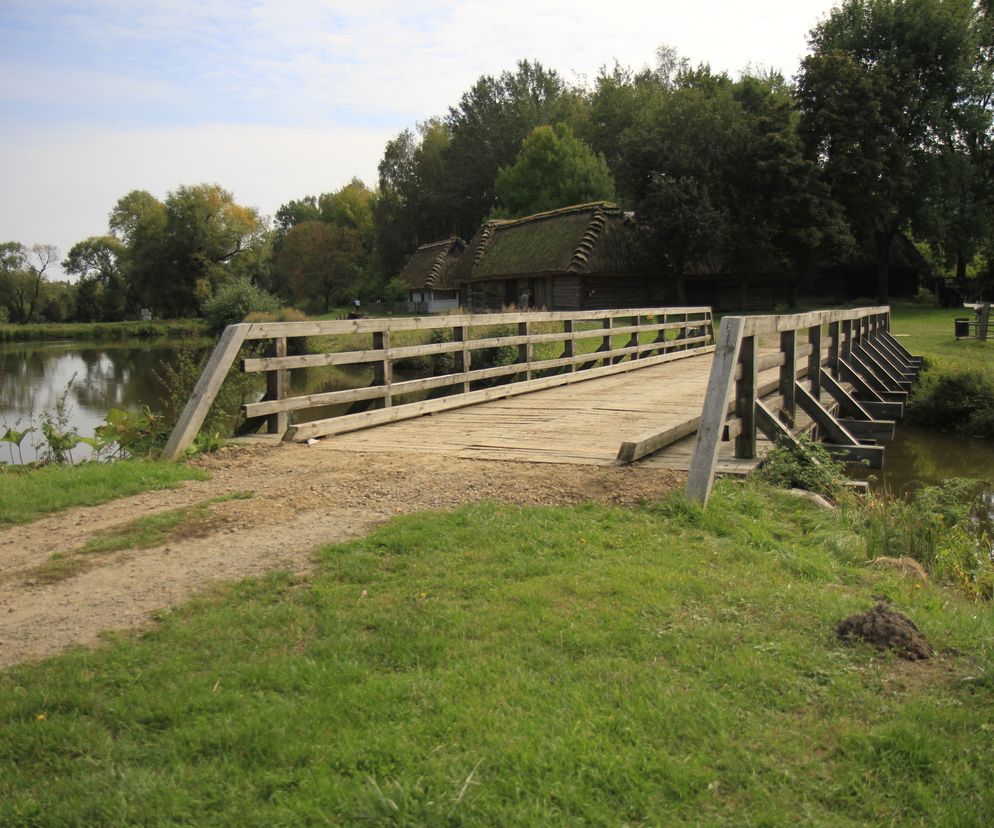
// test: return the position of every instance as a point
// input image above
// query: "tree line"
(885, 129)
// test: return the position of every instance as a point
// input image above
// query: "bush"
(960, 401)
(804, 466)
(233, 302)
(925, 297)
(937, 527)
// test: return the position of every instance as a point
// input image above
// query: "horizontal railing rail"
(848, 356)
(579, 345)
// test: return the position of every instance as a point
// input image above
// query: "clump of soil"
(886, 630)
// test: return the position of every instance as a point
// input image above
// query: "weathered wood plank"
(720, 383)
(825, 421)
(268, 330)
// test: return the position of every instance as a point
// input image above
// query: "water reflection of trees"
(102, 377)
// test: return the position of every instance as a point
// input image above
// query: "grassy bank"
(507, 666)
(928, 332)
(101, 331)
(27, 494)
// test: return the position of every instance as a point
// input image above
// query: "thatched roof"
(431, 265)
(585, 238)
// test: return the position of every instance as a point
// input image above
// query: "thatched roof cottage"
(574, 258)
(427, 275)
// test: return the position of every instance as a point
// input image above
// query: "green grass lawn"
(930, 333)
(508, 666)
(27, 494)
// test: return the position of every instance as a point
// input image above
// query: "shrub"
(233, 302)
(961, 401)
(937, 527)
(804, 466)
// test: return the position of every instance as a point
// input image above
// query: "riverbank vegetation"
(186, 329)
(542, 666)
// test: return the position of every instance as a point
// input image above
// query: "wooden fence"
(649, 336)
(846, 357)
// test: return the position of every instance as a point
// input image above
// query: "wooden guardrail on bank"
(654, 335)
(861, 368)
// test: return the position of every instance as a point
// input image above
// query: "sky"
(278, 100)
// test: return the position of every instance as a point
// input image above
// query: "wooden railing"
(848, 357)
(651, 336)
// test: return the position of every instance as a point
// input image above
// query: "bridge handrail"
(693, 328)
(859, 345)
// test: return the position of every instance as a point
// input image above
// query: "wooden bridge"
(598, 387)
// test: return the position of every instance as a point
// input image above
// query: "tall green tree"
(103, 292)
(320, 262)
(554, 169)
(487, 127)
(877, 93)
(23, 276)
(179, 252)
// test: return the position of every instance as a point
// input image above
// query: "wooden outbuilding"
(575, 258)
(427, 275)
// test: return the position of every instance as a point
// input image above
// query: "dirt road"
(303, 497)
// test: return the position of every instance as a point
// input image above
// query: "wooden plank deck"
(584, 423)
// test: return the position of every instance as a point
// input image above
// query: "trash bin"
(962, 328)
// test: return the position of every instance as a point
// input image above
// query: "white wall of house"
(425, 300)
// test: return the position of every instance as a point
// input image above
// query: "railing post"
(383, 371)
(277, 385)
(788, 371)
(846, 340)
(745, 399)
(462, 360)
(833, 348)
(569, 345)
(525, 351)
(814, 360)
(607, 324)
(633, 340)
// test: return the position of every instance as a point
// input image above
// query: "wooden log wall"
(625, 339)
(841, 368)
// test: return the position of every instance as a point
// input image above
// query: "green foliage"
(233, 302)
(101, 331)
(804, 466)
(487, 128)
(554, 169)
(179, 252)
(506, 666)
(959, 400)
(60, 438)
(15, 438)
(28, 493)
(938, 527)
(319, 263)
(180, 376)
(135, 433)
(880, 95)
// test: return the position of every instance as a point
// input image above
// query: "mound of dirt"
(886, 630)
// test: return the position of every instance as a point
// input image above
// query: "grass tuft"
(27, 494)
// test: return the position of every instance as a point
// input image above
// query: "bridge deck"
(584, 423)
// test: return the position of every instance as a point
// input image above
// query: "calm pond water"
(123, 375)
(104, 375)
